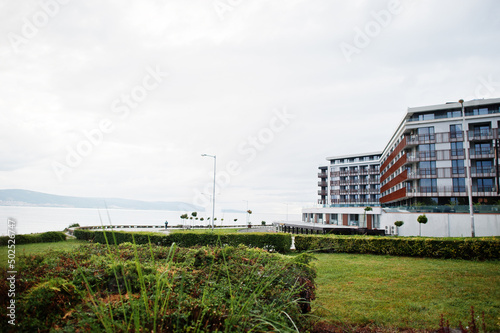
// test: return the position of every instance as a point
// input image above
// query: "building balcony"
(437, 173)
(350, 182)
(323, 175)
(483, 172)
(421, 156)
(456, 136)
(481, 135)
(435, 155)
(358, 202)
(416, 139)
(323, 183)
(481, 153)
(322, 192)
(450, 191)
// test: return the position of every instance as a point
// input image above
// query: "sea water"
(41, 219)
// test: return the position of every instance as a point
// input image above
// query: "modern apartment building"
(428, 162)
(350, 180)
(347, 185)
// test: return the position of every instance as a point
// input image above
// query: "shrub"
(465, 248)
(277, 242)
(422, 219)
(398, 223)
(146, 288)
(46, 237)
(45, 303)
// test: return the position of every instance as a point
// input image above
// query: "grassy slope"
(406, 292)
(39, 247)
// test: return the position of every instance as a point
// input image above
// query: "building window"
(426, 133)
(458, 184)
(428, 185)
(334, 219)
(427, 168)
(457, 167)
(454, 114)
(482, 148)
(354, 220)
(484, 166)
(456, 131)
(485, 185)
(476, 112)
(427, 151)
(457, 148)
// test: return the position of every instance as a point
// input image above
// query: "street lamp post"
(467, 165)
(248, 215)
(213, 194)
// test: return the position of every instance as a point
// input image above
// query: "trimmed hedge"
(463, 248)
(278, 242)
(46, 237)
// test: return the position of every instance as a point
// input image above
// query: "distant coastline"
(27, 198)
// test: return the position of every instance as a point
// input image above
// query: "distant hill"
(39, 199)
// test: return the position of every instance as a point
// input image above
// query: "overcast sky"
(121, 98)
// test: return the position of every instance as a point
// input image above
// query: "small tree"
(263, 222)
(248, 217)
(367, 209)
(398, 224)
(184, 217)
(421, 219)
(194, 214)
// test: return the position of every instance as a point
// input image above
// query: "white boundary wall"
(443, 225)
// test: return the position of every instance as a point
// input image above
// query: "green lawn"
(385, 291)
(39, 248)
(406, 292)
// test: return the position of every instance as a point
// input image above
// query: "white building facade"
(430, 166)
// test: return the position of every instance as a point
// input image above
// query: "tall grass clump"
(139, 288)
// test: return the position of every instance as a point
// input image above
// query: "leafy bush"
(46, 237)
(463, 248)
(145, 288)
(277, 242)
(422, 219)
(46, 303)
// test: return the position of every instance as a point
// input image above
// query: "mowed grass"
(385, 291)
(37, 248)
(401, 292)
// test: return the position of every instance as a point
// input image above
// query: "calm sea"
(41, 219)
